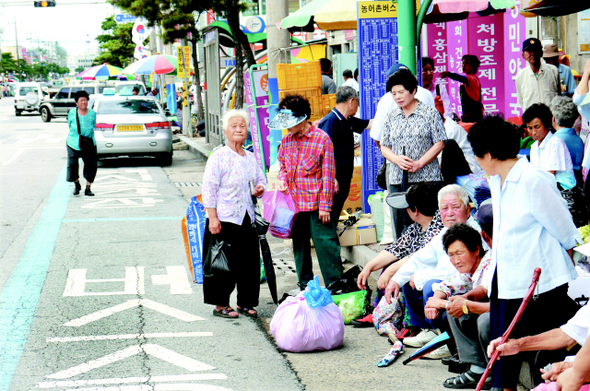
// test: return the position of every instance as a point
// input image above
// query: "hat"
(397, 200)
(285, 120)
(532, 43)
(484, 215)
(438, 103)
(394, 68)
(550, 51)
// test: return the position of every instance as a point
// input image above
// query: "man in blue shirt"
(340, 124)
(566, 77)
(565, 113)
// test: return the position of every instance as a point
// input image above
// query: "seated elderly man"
(428, 266)
(421, 205)
(463, 296)
(558, 340)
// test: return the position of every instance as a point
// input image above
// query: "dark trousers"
(308, 225)
(243, 257)
(472, 337)
(339, 199)
(90, 164)
(544, 312)
(416, 301)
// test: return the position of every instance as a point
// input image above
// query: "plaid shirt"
(307, 165)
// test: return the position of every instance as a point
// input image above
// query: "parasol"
(159, 64)
(105, 70)
(429, 347)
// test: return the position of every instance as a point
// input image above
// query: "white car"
(120, 85)
(27, 97)
(132, 126)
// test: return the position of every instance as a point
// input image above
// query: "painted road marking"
(14, 156)
(131, 336)
(133, 283)
(127, 380)
(20, 295)
(130, 202)
(157, 351)
(109, 219)
(162, 308)
(177, 278)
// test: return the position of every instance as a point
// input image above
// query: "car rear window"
(63, 93)
(130, 87)
(128, 106)
(25, 90)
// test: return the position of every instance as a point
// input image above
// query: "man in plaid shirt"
(308, 173)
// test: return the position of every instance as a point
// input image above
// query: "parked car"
(120, 85)
(63, 101)
(27, 97)
(132, 125)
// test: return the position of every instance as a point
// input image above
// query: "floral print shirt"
(413, 238)
(226, 184)
(460, 283)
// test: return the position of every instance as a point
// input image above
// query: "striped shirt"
(307, 165)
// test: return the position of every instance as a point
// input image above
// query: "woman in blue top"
(87, 120)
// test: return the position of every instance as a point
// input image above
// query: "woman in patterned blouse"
(232, 177)
(413, 136)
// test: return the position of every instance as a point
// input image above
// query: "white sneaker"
(439, 353)
(423, 337)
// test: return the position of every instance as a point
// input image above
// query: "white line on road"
(157, 351)
(161, 308)
(127, 380)
(14, 156)
(131, 336)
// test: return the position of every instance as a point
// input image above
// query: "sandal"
(467, 379)
(246, 311)
(225, 312)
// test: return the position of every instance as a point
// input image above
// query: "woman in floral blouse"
(232, 177)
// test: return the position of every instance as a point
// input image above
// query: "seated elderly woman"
(464, 246)
(232, 177)
(421, 205)
(428, 266)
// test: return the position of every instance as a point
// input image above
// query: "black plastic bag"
(215, 262)
(381, 179)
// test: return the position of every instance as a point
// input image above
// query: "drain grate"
(187, 184)
(284, 266)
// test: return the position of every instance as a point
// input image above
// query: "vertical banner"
(180, 63)
(378, 51)
(514, 34)
(457, 37)
(256, 89)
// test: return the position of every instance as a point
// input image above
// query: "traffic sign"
(125, 18)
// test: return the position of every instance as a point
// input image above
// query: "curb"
(197, 146)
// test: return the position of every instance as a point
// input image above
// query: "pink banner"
(457, 36)
(514, 34)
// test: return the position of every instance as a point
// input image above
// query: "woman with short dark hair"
(81, 122)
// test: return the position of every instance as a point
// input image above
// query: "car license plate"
(129, 128)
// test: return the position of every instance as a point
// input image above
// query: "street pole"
(277, 40)
(406, 19)
(16, 38)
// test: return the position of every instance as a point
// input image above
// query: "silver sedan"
(132, 126)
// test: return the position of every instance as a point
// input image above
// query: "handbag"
(216, 262)
(86, 144)
(381, 179)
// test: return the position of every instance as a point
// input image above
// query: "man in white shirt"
(349, 80)
(532, 228)
(537, 82)
(430, 265)
(387, 103)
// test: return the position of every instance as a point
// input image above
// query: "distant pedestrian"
(537, 82)
(566, 78)
(328, 85)
(349, 81)
(470, 89)
(81, 122)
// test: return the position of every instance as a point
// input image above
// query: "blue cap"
(484, 214)
(394, 68)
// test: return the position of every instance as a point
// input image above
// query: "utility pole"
(277, 40)
(16, 39)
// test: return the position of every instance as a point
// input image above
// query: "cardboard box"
(363, 232)
(354, 202)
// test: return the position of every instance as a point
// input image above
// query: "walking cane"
(506, 334)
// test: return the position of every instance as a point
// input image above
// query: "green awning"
(252, 37)
(302, 19)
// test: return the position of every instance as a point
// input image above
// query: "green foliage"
(78, 70)
(7, 63)
(116, 43)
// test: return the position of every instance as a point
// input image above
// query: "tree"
(7, 63)
(116, 43)
(79, 69)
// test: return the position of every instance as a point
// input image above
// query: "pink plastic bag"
(553, 387)
(299, 328)
(280, 211)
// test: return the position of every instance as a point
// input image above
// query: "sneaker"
(425, 336)
(439, 353)
(366, 321)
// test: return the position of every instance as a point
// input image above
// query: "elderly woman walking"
(413, 136)
(232, 177)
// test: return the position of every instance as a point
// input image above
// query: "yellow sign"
(187, 60)
(180, 63)
(379, 9)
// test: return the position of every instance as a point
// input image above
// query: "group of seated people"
(440, 275)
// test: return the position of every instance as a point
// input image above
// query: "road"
(96, 293)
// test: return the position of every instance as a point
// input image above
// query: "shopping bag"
(352, 305)
(216, 262)
(280, 211)
(309, 321)
(193, 232)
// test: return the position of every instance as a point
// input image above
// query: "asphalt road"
(96, 292)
